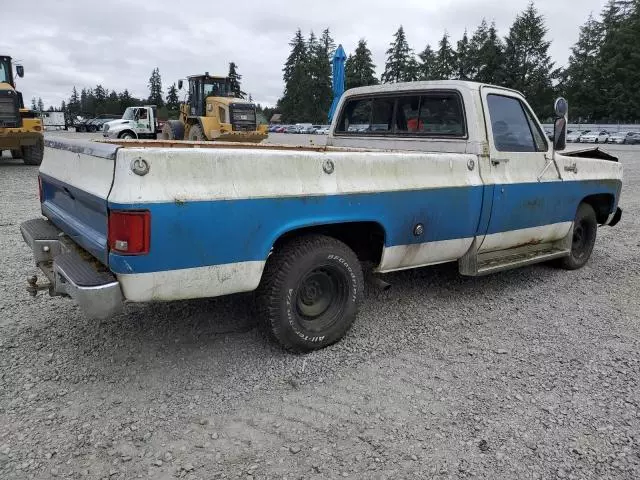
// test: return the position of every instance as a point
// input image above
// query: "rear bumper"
(614, 218)
(72, 271)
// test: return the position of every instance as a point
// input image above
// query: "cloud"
(118, 43)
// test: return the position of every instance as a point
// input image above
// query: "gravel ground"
(532, 373)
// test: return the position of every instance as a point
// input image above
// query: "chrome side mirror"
(561, 110)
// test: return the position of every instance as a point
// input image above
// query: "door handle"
(498, 161)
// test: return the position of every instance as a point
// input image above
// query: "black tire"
(310, 293)
(16, 154)
(172, 130)
(585, 229)
(32, 154)
(196, 134)
(127, 135)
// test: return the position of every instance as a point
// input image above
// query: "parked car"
(624, 137)
(117, 230)
(291, 129)
(573, 136)
(280, 129)
(273, 128)
(598, 136)
(323, 130)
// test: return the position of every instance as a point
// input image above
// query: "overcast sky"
(117, 43)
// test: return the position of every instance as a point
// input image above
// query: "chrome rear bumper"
(72, 271)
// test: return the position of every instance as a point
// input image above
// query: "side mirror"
(561, 110)
(180, 84)
(20, 70)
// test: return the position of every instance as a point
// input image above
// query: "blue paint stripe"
(195, 234)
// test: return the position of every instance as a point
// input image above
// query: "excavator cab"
(203, 86)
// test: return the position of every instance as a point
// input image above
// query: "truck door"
(527, 197)
(142, 124)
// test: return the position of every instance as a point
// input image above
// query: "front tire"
(585, 229)
(127, 136)
(310, 292)
(32, 154)
(15, 154)
(172, 130)
(196, 134)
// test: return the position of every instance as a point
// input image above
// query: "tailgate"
(76, 178)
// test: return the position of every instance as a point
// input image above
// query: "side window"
(382, 116)
(511, 128)
(356, 116)
(538, 137)
(407, 114)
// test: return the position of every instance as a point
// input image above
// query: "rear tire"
(32, 154)
(172, 130)
(310, 292)
(196, 134)
(585, 229)
(16, 154)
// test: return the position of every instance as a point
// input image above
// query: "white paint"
(86, 172)
(211, 174)
(200, 282)
(401, 257)
(513, 238)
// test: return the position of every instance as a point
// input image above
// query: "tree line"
(600, 80)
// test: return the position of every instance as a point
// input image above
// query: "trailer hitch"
(33, 288)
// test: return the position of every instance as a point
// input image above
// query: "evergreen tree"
(294, 104)
(580, 78)
(445, 64)
(427, 64)
(463, 60)
(327, 43)
(618, 64)
(490, 63)
(112, 105)
(155, 88)
(34, 104)
(359, 69)
(234, 81)
(173, 102)
(126, 100)
(73, 106)
(528, 66)
(320, 76)
(40, 105)
(401, 65)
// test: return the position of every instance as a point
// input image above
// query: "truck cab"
(136, 122)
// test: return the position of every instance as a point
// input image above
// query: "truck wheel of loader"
(17, 154)
(310, 292)
(172, 130)
(196, 134)
(32, 154)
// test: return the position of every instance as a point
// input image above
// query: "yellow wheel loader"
(20, 128)
(212, 112)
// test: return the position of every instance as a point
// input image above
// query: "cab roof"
(421, 85)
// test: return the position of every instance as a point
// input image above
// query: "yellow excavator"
(20, 128)
(212, 112)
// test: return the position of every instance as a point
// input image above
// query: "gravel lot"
(533, 373)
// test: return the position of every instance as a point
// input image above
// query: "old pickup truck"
(413, 174)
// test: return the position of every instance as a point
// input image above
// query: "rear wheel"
(585, 229)
(310, 292)
(32, 154)
(196, 134)
(172, 130)
(17, 154)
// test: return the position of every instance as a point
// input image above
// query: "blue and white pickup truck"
(413, 174)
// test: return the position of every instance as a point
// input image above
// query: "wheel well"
(602, 204)
(366, 239)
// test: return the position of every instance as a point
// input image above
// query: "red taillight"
(129, 232)
(40, 189)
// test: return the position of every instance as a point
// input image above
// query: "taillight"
(40, 195)
(129, 232)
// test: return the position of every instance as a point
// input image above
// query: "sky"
(117, 43)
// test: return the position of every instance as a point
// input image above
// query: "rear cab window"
(513, 125)
(437, 114)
